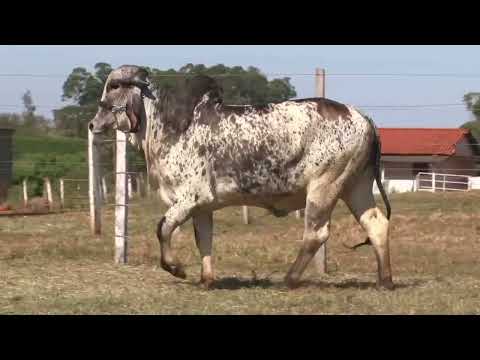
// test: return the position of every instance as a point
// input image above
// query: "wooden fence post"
(142, 186)
(62, 193)
(129, 184)
(121, 200)
(104, 189)
(48, 188)
(94, 198)
(138, 185)
(320, 258)
(25, 193)
(148, 188)
(246, 219)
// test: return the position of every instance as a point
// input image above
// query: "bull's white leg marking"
(321, 199)
(203, 226)
(360, 200)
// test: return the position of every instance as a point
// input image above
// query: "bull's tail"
(376, 155)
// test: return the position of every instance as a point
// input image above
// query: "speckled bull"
(205, 155)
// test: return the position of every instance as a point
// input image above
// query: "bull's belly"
(280, 205)
(280, 201)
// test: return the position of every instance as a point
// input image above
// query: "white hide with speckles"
(265, 159)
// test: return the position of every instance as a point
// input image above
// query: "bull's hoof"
(292, 283)
(207, 283)
(176, 270)
(386, 285)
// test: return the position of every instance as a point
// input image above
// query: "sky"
(341, 63)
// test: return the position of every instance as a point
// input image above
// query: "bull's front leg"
(174, 217)
(203, 227)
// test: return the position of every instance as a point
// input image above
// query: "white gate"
(441, 182)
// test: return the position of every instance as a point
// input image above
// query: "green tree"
(474, 127)
(29, 119)
(241, 86)
(84, 89)
(71, 120)
(472, 100)
(10, 120)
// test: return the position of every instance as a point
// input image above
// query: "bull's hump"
(327, 108)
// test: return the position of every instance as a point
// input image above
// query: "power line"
(440, 75)
(408, 106)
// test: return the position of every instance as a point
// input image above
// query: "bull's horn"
(139, 82)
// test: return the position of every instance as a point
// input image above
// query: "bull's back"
(277, 152)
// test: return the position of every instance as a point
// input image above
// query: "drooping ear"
(134, 112)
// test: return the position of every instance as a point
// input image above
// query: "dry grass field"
(50, 264)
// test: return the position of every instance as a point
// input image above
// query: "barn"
(406, 152)
(6, 161)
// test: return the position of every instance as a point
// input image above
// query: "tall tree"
(241, 86)
(472, 100)
(84, 89)
(29, 119)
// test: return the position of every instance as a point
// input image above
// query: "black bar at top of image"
(243, 24)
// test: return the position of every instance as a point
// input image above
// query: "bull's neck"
(139, 140)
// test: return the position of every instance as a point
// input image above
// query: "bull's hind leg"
(203, 227)
(175, 216)
(318, 210)
(359, 198)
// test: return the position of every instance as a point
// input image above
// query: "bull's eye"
(114, 86)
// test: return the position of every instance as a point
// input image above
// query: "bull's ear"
(148, 93)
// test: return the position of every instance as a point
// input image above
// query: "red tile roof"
(408, 141)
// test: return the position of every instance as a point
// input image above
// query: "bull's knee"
(314, 239)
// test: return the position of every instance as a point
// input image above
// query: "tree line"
(241, 86)
(83, 89)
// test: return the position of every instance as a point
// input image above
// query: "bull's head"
(121, 106)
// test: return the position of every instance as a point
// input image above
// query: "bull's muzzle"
(93, 128)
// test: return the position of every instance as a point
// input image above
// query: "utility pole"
(321, 255)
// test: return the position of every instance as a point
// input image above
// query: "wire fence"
(71, 193)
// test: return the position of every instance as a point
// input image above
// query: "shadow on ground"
(234, 283)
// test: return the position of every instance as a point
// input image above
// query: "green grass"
(25, 146)
(51, 264)
(45, 155)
